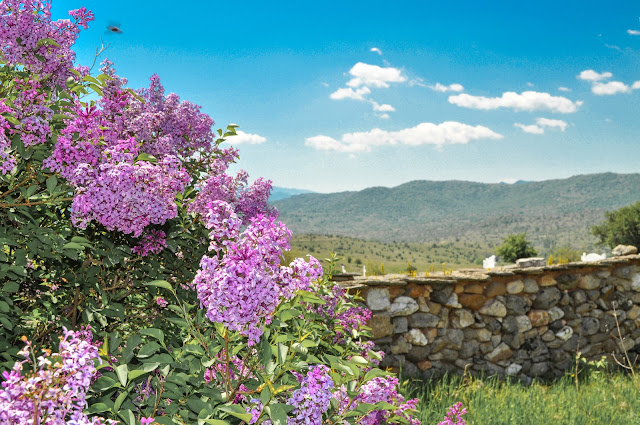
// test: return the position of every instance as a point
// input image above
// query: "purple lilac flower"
(56, 386)
(454, 415)
(242, 287)
(239, 372)
(161, 302)
(312, 399)
(153, 242)
(380, 389)
(146, 421)
(23, 23)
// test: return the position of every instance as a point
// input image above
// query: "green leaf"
(374, 373)
(98, 408)
(146, 157)
(52, 182)
(48, 42)
(116, 407)
(278, 413)
(237, 411)
(148, 349)
(163, 420)
(73, 245)
(11, 287)
(215, 422)
(136, 374)
(122, 372)
(104, 383)
(160, 284)
(282, 353)
(154, 333)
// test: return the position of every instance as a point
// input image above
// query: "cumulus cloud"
(382, 108)
(446, 133)
(547, 122)
(349, 93)
(243, 138)
(374, 76)
(532, 129)
(451, 87)
(541, 124)
(526, 101)
(592, 76)
(636, 85)
(565, 89)
(633, 32)
(612, 87)
(376, 50)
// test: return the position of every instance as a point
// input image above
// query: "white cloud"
(565, 89)
(529, 84)
(384, 116)
(532, 129)
(374, 76)
(593, 76)
(612, 87)
(633, 32)
(349, 93)
(451, 87)
(243, 138)
(446, 133)
(382, 108)
(526, 101)
(635, 85)
(547, 122)
(376, 50)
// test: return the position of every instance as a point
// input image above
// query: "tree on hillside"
(620, 227)
(516, 246)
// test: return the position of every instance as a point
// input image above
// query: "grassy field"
(393, 256)
(598, 398)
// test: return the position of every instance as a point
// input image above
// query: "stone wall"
(523, 322)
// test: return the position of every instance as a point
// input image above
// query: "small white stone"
(555, 313)
(403, 306)
(513, 369)
(378, 299)
(565, 333)
(416, 337)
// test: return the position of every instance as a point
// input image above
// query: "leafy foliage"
(119, 221)
(515, 247)
(620, 227)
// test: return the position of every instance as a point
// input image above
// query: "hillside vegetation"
(551, 213)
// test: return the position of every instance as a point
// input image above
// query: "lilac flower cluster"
(54, 392)
(245, 201)
(312, 399)
(7, 160)
(454, 415)
(153, 242)
(353, 318)
(242, 286)
(380, 389)
(24, 24)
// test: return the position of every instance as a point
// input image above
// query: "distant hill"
(278, 193)
(551, 212)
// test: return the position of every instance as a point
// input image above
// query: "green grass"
(599, 398)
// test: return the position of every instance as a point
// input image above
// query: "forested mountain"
(551, 212)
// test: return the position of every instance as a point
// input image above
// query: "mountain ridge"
(558, 210)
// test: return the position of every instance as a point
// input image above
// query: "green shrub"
(515, 247)
(620, 227)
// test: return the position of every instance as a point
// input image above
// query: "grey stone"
(416, 337)
(516, 304)
(530, 262)
(589, 326)
(501, 352)
(462, 319)
(513, 369)
(441, 296)
(565, 333)
(410, 370)
(530, 286)
(494, 308)
(378, 299)
(400, 325)
(469, 348)
(454, 338)
(539, 369)
(424, 320)
(579, 297)
(635, 282)
(514, 340)
(567, 282)
(589, 282)
(624, 250)
(417, 353)
(555, 313)
(401, 346)
(547, 298)
(483, 335)
(452, 301)
(515, 287)
(403, 306)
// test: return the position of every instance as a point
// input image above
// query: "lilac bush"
(120, 214)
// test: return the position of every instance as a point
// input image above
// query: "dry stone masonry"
(527, 322)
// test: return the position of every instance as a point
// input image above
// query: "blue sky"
(335, 96)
